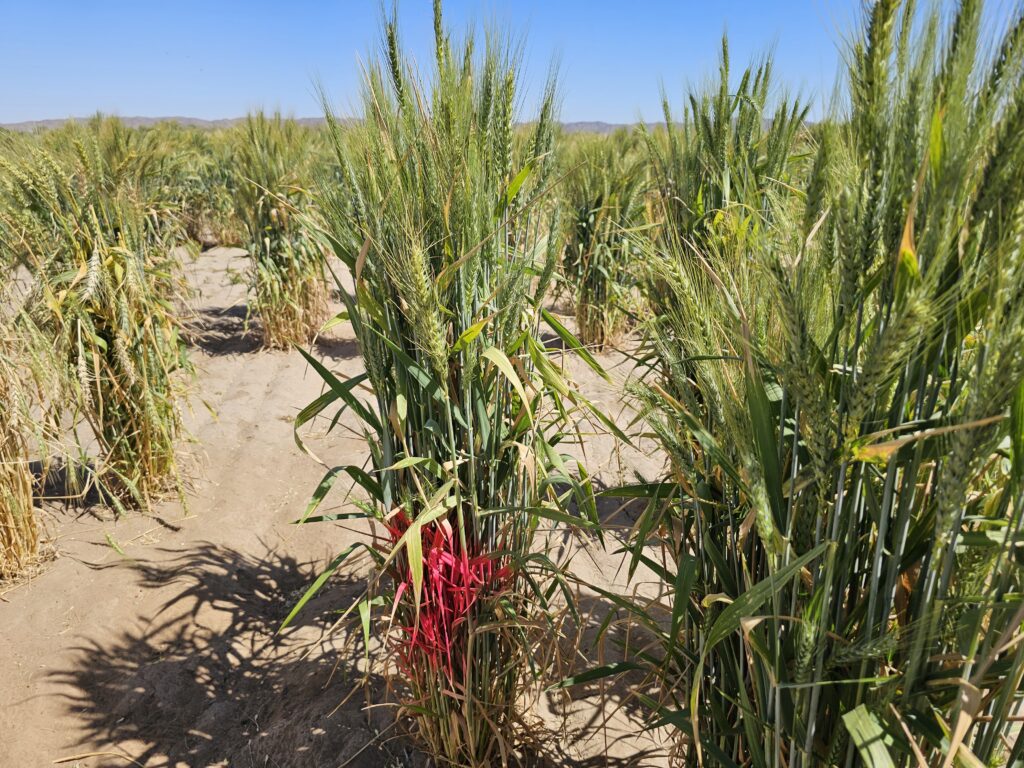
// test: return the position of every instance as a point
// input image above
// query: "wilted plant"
(30, 430)
(844, 505)
(145, 160)
(106, 295)
(200, 183)
(287, 266)
(442, 226)
(19, 535)
(605, 200)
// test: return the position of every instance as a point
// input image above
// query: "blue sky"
(221, 58)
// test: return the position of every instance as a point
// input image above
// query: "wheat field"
(441, 435)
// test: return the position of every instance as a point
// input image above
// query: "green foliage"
(200, 184)
(839, 399)
(832, 361)
(604, 198)
(272, 163)
(729, 151)
(441, 222)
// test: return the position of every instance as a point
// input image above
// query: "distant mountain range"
(593, 126)
(141, 122)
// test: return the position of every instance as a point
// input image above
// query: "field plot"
(476, 442)
(153, 637)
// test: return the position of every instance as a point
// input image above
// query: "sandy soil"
(150, 640)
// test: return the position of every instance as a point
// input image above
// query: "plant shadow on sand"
(335, 348)
(224, 331)
(207, 682)
(608, 708)
(60, 482)
(70, 487)
(220, 331)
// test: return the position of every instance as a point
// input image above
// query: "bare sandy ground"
(150, 640)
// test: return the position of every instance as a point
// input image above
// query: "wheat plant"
(841, 520)
(443, 224)
(19, 534)
(605, 196)
(287, 266)
(730, 149)
(106, 297)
